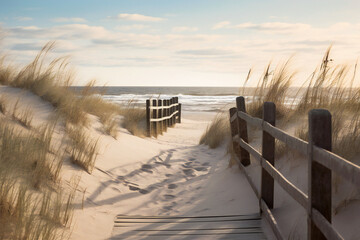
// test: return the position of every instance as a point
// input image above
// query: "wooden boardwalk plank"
(247, 227)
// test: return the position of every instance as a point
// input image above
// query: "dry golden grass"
(134, 119)
(51, 78)
(83, 150)
(216, 132)
(28, 171)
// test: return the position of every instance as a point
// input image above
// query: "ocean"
(194, 99)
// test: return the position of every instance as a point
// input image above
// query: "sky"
(181, 42)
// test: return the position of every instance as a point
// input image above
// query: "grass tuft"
(216, 132)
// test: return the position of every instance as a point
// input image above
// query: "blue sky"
(168, 42)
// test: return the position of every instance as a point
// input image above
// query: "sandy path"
(170, 175)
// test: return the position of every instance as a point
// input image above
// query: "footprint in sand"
(189, 172)
(169, 197)
(202, 169)
(146, 168)
(133, 188)
(192, 159)
(187, 165)
(143, 191)
(168, 175)
(172, 186)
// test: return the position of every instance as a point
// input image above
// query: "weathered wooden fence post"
(168, 112)
(148, 117)
(164, 115)
(154, 116)
(234, 130)
(176, 108)
(179, 114)
(243, 155)
(171, 111)
(268, 152)
(159, 116)
(319, 180)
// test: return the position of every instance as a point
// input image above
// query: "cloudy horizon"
(181, 43)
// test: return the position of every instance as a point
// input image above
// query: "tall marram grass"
(28, 173)
(216, 132)
(51, 79)
(83, 150)
(134, 119)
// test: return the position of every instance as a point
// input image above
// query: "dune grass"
(83, 150)
(134, 119)
(51, 79)
(216, 132)
(28, 171)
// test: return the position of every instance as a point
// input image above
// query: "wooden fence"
(161, 114)
(321, 162)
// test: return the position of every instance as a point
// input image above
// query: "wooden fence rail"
(161, 114)
(322, 162)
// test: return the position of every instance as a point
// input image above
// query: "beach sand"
(170, 175)
(173, 175)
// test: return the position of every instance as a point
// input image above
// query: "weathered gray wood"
(154, 116)
(252, 185)
(242, 129)
(164, 122)
(159, 115)
(268, 152)
(326, 228)
(179, 114)
(253, 121)
(168, 112)
(271, 220)
(290, 188)
(249, 148)
(319, 182)
(341, 166)
(171, 112)
(292, 142)
(148, 116)
(176, 108)
(234, 131)
(246, 227)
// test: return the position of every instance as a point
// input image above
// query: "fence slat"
(341, 166)
(154, 116)
(234, 132)
(290, 141)
(148, 117)
(255, 122)
(179, 114)
(252, 185)
(326, 228)
(268, 152)
(242, 129)
(159, 116)
(319, 189)
(290, 188)
(273, 224)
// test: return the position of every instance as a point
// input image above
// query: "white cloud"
(273, 26)
(185, 29)
(223, 24)
(137, 17)
(65, 20)
(131, 27)
(267, 26)
(23, 19)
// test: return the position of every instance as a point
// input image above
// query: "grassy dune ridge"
(330, 86)
(34, 202)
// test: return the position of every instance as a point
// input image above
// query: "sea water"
(204, 99)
